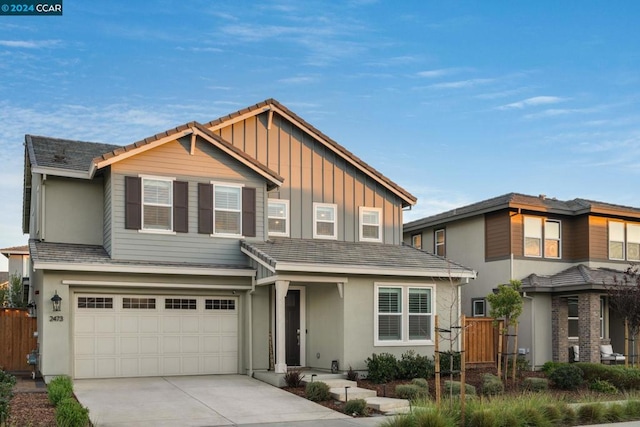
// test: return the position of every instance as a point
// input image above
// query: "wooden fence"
(16, 339)
(480, 340)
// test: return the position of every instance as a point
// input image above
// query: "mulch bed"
(31, 409)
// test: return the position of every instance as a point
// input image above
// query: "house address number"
(56, 318)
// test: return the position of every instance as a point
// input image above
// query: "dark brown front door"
(292, 327)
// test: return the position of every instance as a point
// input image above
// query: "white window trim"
(335, 220)
(142, 204)
(559, 239)
(630, 241)
(473, 307)
(227, 184)
(435, 241)
(524, 235)
(287, 218)
(362, 210)
(576, 318)
(413, 240)
(623, 241)
(404, 325)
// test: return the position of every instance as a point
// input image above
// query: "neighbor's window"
(572, 303)
(633, 242)
(403, 315)
(416, 241)
(616, 240)
(478, 307)
(157, 204)
(227, 202)
(532, 236)
(552, 239)
(439, 243)
(325, 221)
(370, 224)
(278, 217)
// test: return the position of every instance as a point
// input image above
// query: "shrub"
(69, 413)
(535, 384)
(356, 407)
(454, 387)
(411, 392)
(531, 415)
(550, 366)
(445, 361)
(492, 385)
(59, 389)
(421, 382)
(412, 365)
(522, 365)
(632, 409)
(569, 415)
(552, 413)
(317, 391)
(483, 418)
(614, 413)
(567, 377)
(7, 378)
(603, 386)
(293, 378)
(591, 413)
(431, 418)
(382, 367)
(352, 375)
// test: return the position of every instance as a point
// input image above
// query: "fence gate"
(16, 336)
(480, 340)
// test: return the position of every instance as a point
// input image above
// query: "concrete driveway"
(212, 400)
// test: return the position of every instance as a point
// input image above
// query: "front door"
(292, 327)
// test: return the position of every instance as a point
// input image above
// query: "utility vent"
(60, 156)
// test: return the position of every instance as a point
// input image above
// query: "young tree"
(624, 297)
(507, 304)
(14, 294)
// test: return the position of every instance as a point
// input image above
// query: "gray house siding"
(108, 218)
(314, 173)
(173, 160)
(74, 210)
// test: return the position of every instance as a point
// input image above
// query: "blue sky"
(457, 101)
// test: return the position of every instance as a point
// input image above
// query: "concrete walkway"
(212, 400)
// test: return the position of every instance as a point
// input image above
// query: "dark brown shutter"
(132, 203)
(205, 208)
(180, 206)
(249, 212)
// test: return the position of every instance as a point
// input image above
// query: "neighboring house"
(565, 253)
(249, 242)
(18, 257)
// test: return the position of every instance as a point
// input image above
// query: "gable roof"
(333, 256)
(576, 278)
(272, 106)
(524, 202)
(15, 250)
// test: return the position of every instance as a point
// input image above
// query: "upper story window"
(633, 242)
(616, 240)
(278, 217)
(416, 241)
(403, 314)
(534, 234)
(325, 221)
(439, 243)
(157, 204)
(370, 224)
(227, 212)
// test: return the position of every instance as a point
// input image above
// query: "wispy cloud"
(29, 44)
(439, 72)
(532, 102)
(503, 93)
(461, 84)
(298, 80)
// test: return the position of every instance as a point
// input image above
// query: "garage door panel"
(129, 336)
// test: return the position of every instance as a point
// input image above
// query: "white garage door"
(153, 335)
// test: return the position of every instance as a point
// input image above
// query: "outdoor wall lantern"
(32, 309)
(56, 300)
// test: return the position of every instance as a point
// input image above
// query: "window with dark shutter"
(180, 206)
(249, 212)
(205, 208)
(132, 203)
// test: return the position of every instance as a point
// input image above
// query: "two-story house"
(17, 266)
(565, 253)
(251, 242)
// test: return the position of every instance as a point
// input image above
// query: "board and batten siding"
(497, 235)
(173, 160)
(314, 173)
(598, 238)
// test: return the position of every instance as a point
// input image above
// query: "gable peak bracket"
(193, 144)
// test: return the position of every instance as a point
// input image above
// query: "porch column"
(559, 329)
(282, 287)
(589, 327)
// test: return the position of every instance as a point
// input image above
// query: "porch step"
(334, 382)
(389, 405)
(339, 393)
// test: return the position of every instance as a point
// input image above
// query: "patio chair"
(609, 356)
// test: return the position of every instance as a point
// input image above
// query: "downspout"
(533, 331)
(42, 205)
(459, 286)
(250, 321)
